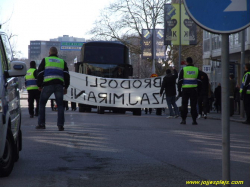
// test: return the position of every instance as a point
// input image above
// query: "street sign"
(206, 68)
(223, 16)
(71, 46)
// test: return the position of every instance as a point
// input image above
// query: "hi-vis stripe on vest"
(54, 67)
(31, 83)
(190, 75)
(243, 83)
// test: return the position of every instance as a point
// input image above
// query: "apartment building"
(212, 55)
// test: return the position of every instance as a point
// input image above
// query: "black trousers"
(73, 106)
(192, 95)
(246, 102)
(203, 104)
(231, 106)
(32, 96)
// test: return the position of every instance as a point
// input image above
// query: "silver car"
(10, 110)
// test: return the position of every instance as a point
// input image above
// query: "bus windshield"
(105, 59)
(106, 55)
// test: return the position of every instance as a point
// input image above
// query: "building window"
(236, 39)
(206, 35)
(206, 45)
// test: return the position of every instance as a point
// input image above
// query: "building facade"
(212, 55)
(38, 49)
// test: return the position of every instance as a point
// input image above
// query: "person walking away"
(245, 93)
(210, 99)
(32, 88)
(53, 77)
(169, 85)
(189, 86)
(203, 95)
(217, 95)
(232, 85)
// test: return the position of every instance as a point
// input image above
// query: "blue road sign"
(220, 16)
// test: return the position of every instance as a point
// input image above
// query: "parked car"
(10, 110)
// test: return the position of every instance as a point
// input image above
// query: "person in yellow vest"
(189, 85)
(53, 78)
(245, 93)
(32, 88)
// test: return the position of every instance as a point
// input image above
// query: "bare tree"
(11, 36)
(124, 20)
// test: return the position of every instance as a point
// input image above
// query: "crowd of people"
(52, 77)
(194, 86)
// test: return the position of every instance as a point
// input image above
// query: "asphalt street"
(126, 150)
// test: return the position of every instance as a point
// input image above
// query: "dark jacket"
(204, 84)
(217, 94)
(232, 85)
(40, 76)
(180, 81)
(169, 84)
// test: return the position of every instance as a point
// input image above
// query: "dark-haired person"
(32, 88)
(53, 78)
(169, 85)
(245, 92)
(203, 95)
(189, 86)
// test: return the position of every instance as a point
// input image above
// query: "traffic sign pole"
(242, 111)
(225, 109)
(222, 17)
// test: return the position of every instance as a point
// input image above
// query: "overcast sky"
(46, 19)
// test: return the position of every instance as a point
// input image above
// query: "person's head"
(168, 71)
(32, 64)
(53, 51)
(231, 76)
(219, 84)
(189, 60)
(247, 66)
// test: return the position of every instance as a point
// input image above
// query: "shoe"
(40, 127)
(36, 114)
(199, 116)
(60, 128)
(194, 123)
(176, 116)
(183, 122)
(170, 117)
(246, 122)
(205, 116)
(31, 116)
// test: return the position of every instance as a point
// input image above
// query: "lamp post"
(153, 39)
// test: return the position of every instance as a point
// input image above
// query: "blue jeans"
(47, 91)
(171, 102)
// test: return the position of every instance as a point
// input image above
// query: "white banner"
(111, 92)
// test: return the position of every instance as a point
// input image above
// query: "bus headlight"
(103, 95)
(138, 98)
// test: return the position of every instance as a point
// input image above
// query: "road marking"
(237, 5)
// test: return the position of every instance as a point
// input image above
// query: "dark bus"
(105, 59)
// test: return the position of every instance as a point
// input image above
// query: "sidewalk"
(217, 116)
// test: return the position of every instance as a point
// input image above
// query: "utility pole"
(242, 64)
(180, 38)
(153, 38)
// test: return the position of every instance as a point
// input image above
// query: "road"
(117, 150)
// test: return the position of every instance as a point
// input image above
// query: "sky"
(47, 19)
